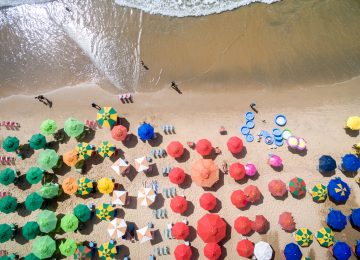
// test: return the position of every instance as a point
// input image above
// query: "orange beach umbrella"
(69, 185)
(119, 133)
(205, 172)
(71, 158)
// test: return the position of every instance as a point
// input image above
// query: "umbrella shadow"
(223, 253)
(22, 211)
(187, 182)
(54, 145)
(132, 203)
(350, 174)
(62, 133)
(242, 154)
(192, 234)
(352, 133)
(95, 159)
(277, 169)
(19, 237)
(88, 136)
(259, 202)
(86, 228)
(50, 204)
(157, 238)
(124, 122)
(195, 253)
(156, 141)
(299, 152)
(118, 154)
(217, 207)
(63, 196)
(26, 151)
(185, 156)
(132, 173)
(120, 213)
(62, 170)
(131, 141)
(22, 183)
(123, 251)
(153, 172)
(283, 197)
(327, 174)
(190, 209)
(158, 203)
(227, 234)
(218, 184)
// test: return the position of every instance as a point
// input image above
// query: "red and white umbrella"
(120, 166)
(146, 196)
(117, 228)
(141, 164)
(119, 197)
(144, 234)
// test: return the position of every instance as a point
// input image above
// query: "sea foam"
(8, 3)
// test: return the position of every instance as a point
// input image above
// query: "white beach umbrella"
(263, 251)
(146, 196)
(144, 234)
(117, 228)
(120, 166)
(119, 197)
(141, 164)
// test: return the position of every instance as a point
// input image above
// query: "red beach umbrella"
(119, 133)
(252, 193)
(243, 225)
(212, 251)
(237, 171)
(211, 228)
(204, 147)
(260, 224)
(286, 221)
(178, 204)
(277, 188)
(177, 175)
(235, 145)
(238, 199)
(175, 149)
(208, 201)
(245, 248)
(183, 252)
(180, 231)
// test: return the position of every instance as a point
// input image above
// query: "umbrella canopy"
(119, 197)
(326, 164)
(69, 223)
(83, 253)
(33, 201)
(84, 150)
(47, 159)
(71, 158)
(8, 204)
(144, 234)
(263, 251)
(243, 225)
(319, 192)
(48, 127)
(341, 251)
(146, 196)
(107, 117)
(44, 247)
(47, 221)
(73, 127)
(85, 186)
(34, 175)
(235, 145)
(350, 163)
(353, 122)
(49, 190)
(260, 224)
(286, 221)
(31, 257)
(336, 220)
(105, 185)
(292, 252)
(208, 201)
(325, 237)
(277, 188)
(11, 144)
(180, 231)
(117, 228)
(6, 233)
(177, 175)
(211, 228)
(178, 204)
(30, 230)
(69, 185)
(250, 169)
(245, 248)
(68, 248)
(304, 237)
(275, 161)
(357, 248)
(297, 187)
(338, 190)
(120, 166)
(355, 217)
(105, 211)
(205, 172)
(106, 149)
(252, 193)
(203, 147)
(237, 171)
(7, 176)
(82, 212)
(141, 164)
(119, 133)
(107, 251)
(146, 132)
(175, 149)
(238, 199)
(183, 252)
(212, 251)
(37, 141)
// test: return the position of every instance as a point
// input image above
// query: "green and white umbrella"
(44, 247)
(47, 221)
(73, 127)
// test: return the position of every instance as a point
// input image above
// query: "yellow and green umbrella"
(304, 237)
(106, 149)
(107, 117)
(107, 251)
(319, 192)
(85, 186)
(84, 150)
(105, 211)
(325, 237)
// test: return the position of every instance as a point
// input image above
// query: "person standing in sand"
(95, 106)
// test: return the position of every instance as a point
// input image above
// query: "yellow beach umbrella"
(105, 185)
(85, 186)
(84, 150)
(107, 117)
(325, 237)
(107, 251)
(106, 149)
(105, 211)
(319, 192)
(353, 122)
(304, 237)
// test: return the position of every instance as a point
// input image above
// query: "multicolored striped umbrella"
(297, 186)
(84, 150)
(117, 228)
(107, 117)
(325, 237)
(83, 253)
(105, 211)
(106, 149)
(85, 186)
(107, 251)
(304, 237)
(319, 192)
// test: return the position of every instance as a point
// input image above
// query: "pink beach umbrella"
(250, 169)
(301, 144)
(274, 160)
(292, 142)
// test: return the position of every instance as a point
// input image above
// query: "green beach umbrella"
(82, 212)
(31, 257)
(48, 127)
(6, 233)
(84, 150)
(48, 159)
(34, 175)
(30, 230)
(7, 176)
(47, 221)
(37, 141)
(33, 201)
(11, 144)
(8, 204)
(68, 248)
(297, 187)
(69, 223)
(44, 247)
(73, 127)
(107, 117)
(49, 190)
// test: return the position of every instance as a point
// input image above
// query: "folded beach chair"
(154, 213)
(172, 192)
(163, 213)
(166, 250)
(158, 213)
(166, 233)
(156, 251)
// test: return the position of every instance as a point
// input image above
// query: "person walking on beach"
(143, 64)
(95, 106)
(175, 87)
(44, 100)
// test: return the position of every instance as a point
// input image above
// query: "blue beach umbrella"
(357, 248)
(326, 164)
(355, 217)
(145, 132)
(350, 163)
(341, 250)
(336, 220)
(292, 252)
(338, 190)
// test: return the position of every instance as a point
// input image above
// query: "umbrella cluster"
(296, 143)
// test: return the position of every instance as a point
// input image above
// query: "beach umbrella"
(85, 186)
(178, 204)
(84, 150)
(68, 248)
(355, 217)
(107, 251)
(69, 185)
(182, 252)
(119, 133)
(245, 248)
(260, 224)
(37, 141)
(341, 250)
(237, 171)
(297, 187)
(82, 212)
(83, 253)
(336, 220)
(49, 190)
(119, 197)
(44, 247)
(357, 248)
(211, 228)
(47, 221)
(106, 149)
(252, 193)
(107, 117)
(7, 176)
(238, 199)
(353, 122)
(8, 204)
(6, 232)
(292, 252)
(205, 172)
(326, 164)
(319, 192)
(105, 185)
(208, 201)
(263, 251)
(11, 144)
(31, 257)
(277, 188)
(338, 190)
(212, 251)
(275, 161)
(141, 164)
(292, 142)
(203, 147)
(71, 158)
(47, 159)
(235, 145)
(144, 234)
(69, 223)
(120, 166)
(180, 231)
(30, 230)
(350, 162)
(304, 237)
(175, 149)
(146, 132)
(286, 221)
(146, 196)
(34, 175)
(243, 225)
(48, 127)
(105, 211)
(302, 144)
(250, 169)
(177, 175)
(73, 127)
(33, 201)
(325, 237)
(117, 228)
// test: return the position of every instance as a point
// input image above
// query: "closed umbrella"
(37, 141)
(239, 199)
(69, 223)
(178, 204)
(44, 247)
(146, 196)
(350, 163)
(235, 145)
(31, 257)
(327, 164)
(180, 231)
(30, 230)
(47, 221)
(212, 251)
(73, 127)
(304, 237)
(205, 173)
(355, 217)
(84, 150)
(34, 175)
(105, 185)
(82, 212)
(106, 149)
(49, 190)
(105, 211)
(69, 185)
(203, 147)
(71, 158)
(211, 228)
(7, 176)
(119, 197)
(325, 237)
(338, 190)
(260, 224)
(11, 144)
(252, 193)
(47, 159)
(144, 234)
(353, 122)
(175, 149)
(120, 166)
(183, 252)
(177, 175)
(107, 251)
(286, 221)
(243, 225)
(48, 127)
(336, 220)
(117, 228)
(141, 164)
(146, 132)
(107, 117)
(85, 186)
(277, 188)
(245, 248)
(297, 187)
(292, 252)
(119, 133)
(6, 233)
(8, 204)
(33, 201)
(208, 201)
(83, 253)
(341, 250)
(68, 248)
(237, 171)
(263, 251)
(319, 192)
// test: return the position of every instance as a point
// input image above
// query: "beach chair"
(166, 250)
(158, 213)
(185, 221)
(172, 191)
(157, 251)
(163, 213)
(151, 257)
(187, 243)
